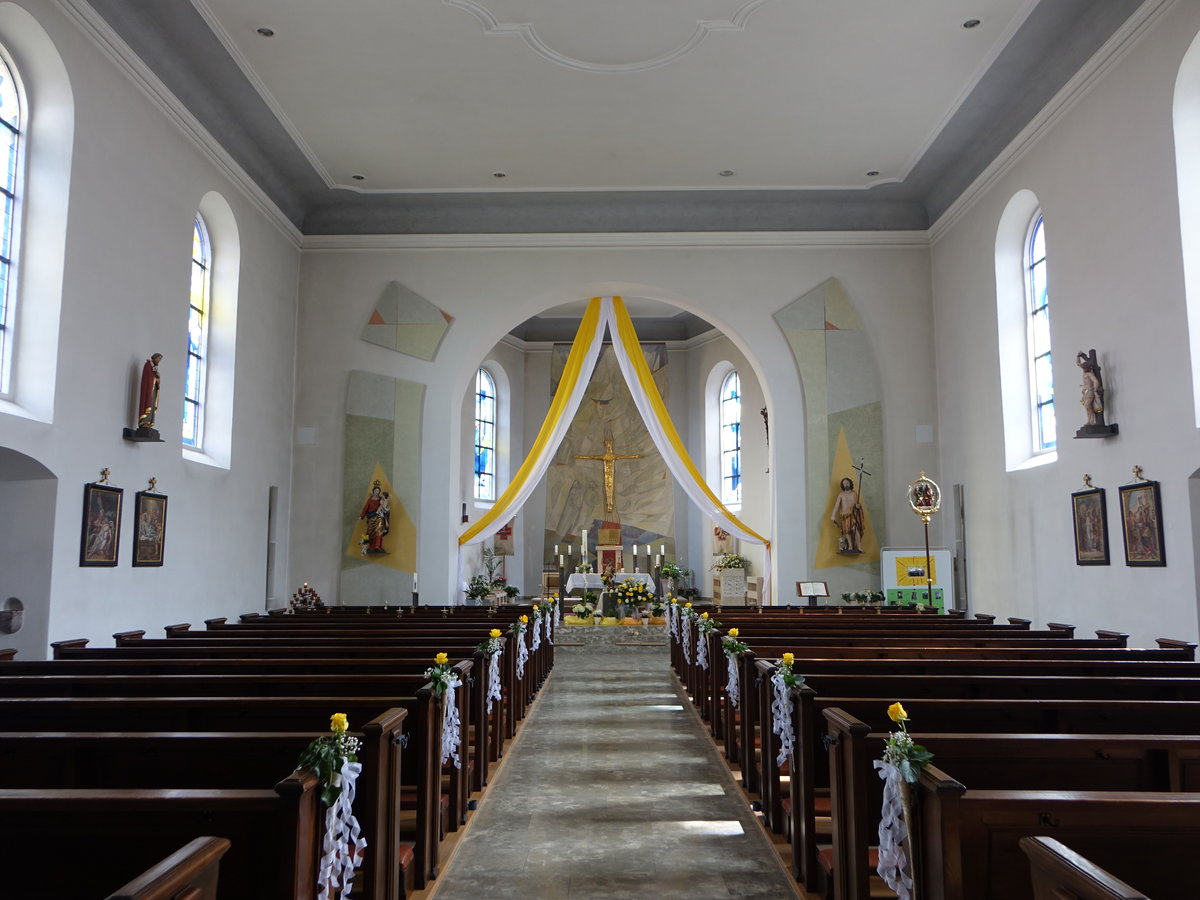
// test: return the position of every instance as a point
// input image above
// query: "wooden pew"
(969, 840)
(415, 766)
(216, 760)
(1030, 762)
(190, 872)
(1059, 873)
(80, 843)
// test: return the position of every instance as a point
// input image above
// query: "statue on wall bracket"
(1092, 398)
(147, 406)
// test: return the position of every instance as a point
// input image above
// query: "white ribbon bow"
(732, 684)
(343, 845)
(494, 693)
(781, 716)
(522, 655)
(702, 648)
(451, 725)
(893, 860)
(685, 628)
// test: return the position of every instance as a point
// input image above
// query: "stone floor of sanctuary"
(613, 789)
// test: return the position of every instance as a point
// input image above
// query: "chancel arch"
(28, 496)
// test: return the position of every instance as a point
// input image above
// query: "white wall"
(490, 284)
(1105, 175)
(136, 183)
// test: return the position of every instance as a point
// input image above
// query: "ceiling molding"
(528, 33)
(900, 240)
(1072, 93)
(98, 31)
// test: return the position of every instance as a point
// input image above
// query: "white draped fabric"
(343, 845)
(701, 648)
(522, 654)
(609, 314)
(536, 636)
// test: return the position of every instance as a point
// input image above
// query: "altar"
(591, 581)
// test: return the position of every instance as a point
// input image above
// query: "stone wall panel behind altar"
(643, 490)
(381, 489)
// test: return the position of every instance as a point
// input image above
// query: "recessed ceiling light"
(266, 32)
(872, 173)
(971, 23)
(725, 173)
(359, 177)
(499, 174)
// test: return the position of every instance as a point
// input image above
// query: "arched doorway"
(28, 492)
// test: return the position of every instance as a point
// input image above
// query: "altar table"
(591, 581)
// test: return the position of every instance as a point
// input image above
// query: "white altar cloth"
(591, 581)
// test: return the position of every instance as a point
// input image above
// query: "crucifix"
(610, 461)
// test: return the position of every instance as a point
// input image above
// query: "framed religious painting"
(1090, 517)
(101, 534)
(150, 528)
(1142, 524)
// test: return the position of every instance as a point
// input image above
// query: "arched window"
(730, 402)
(485, 436)
(1041, 372)
(199, 302)
(10, 183)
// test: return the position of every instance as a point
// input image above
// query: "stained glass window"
(485, 436)
(10, 142)
(731, 438)
(197, 339)
(1041, 373)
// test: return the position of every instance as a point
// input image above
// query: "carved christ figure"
(610, 461)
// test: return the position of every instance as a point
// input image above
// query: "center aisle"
(613, 790)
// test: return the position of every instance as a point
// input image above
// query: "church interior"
(295, 295)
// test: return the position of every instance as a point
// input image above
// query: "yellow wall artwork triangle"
(829, 555)
(400, 542)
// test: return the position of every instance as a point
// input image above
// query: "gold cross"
(1137, 473)
(609, 458)
(153, 485)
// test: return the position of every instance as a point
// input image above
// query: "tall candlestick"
(583, 546)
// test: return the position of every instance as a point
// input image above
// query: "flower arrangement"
(584, 568)
(631, 593)
(512, 591)
(672, 570)
(731, 561)
(519, 626)
(705, 624)
(537, 611)
(900, 750)
(658, 605)
(324, 756)
(863, 596)
(493, 643)
(687, 611)
(584, 609)
(784, 668)
(440, 673)
(479, 587)
(730, 643)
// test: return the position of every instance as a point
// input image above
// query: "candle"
(568, 549)
(556, 553)
(414, 582)
(583, 546)
(657, 560)
(562, 563)
(662, 549)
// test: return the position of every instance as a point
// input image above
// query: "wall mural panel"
(381, 490)
(845, 424)
(641, 485)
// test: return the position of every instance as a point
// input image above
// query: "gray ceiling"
(1048, 47)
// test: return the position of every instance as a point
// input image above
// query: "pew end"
(190, 872)
(1058, 871)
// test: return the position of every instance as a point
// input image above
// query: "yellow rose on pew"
(789, 658)
(441, 659)
(733, 632)
(896, 713)
(338, 722)
(494, 633)
(704, 615)
(687, 605)
(525, 620)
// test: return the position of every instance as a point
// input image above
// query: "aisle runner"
(589, 801)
